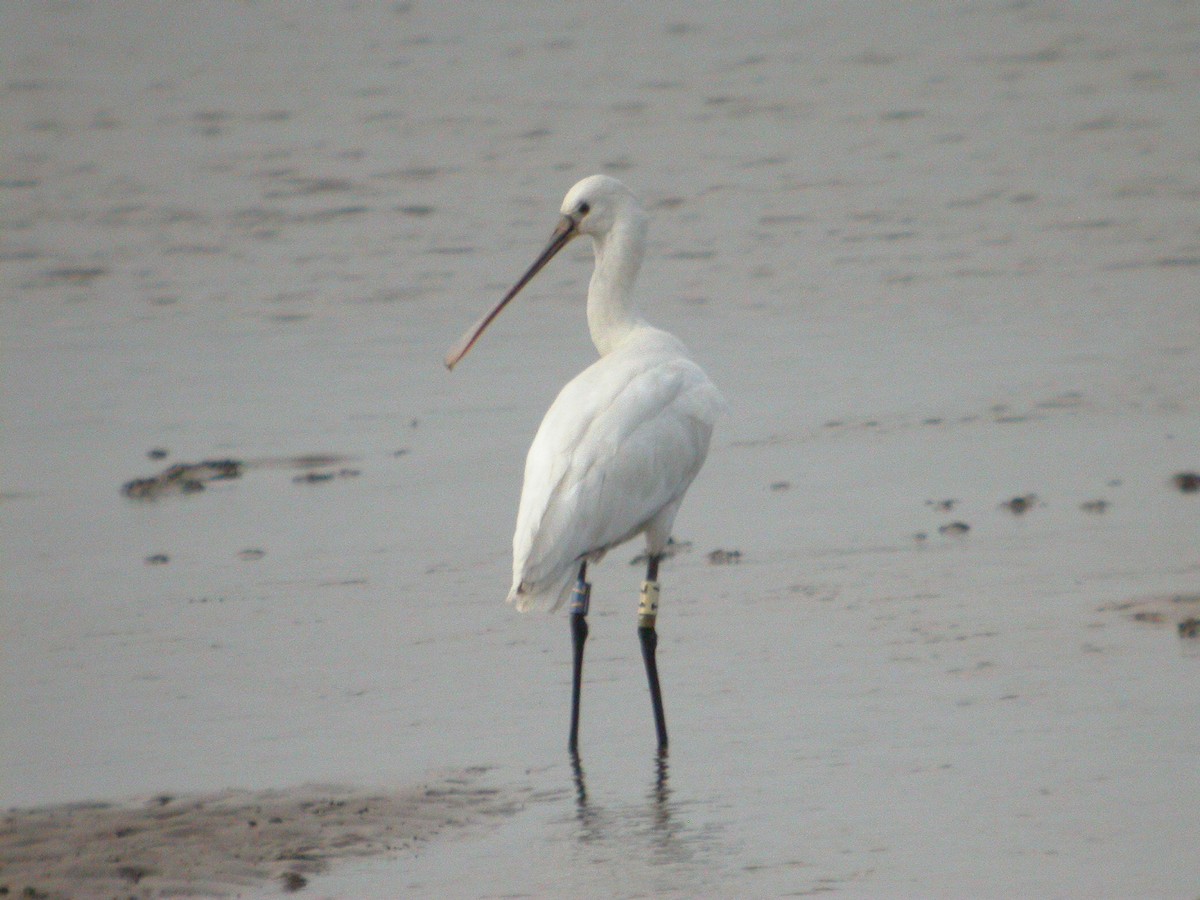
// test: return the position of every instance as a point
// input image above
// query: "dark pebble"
(313, 477)
(1019, 505)
(1187, 482)
(293, 881)
(725, 557)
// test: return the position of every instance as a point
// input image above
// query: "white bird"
(620, 445)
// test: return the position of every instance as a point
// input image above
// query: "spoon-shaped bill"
(563, 232)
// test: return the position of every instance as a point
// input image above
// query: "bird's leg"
(580, 595)
(647, 614)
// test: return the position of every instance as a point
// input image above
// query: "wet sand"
(929, 637)
(232, 842)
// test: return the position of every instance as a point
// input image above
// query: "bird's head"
(595, 206)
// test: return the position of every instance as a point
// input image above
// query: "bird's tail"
(548, 596)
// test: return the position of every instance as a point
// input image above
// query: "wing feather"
(619, 446)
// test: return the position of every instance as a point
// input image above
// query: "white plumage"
(612, 459)
(620, 445)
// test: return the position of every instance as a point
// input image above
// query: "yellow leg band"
(648, 608)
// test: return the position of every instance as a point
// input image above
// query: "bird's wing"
(621, 442)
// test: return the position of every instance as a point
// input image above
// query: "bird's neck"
(610, 309)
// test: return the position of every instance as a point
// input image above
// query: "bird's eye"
(584, 208)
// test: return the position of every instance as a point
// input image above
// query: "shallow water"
(943, 253)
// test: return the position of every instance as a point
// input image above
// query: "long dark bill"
(563, 232)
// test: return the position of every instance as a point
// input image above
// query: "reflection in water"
(657, 820)
(660, 792)
(588, 818)
(652, 837)
(580, 782)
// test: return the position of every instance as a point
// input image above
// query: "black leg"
(647, 616)
(579, 633)
(649, 638)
